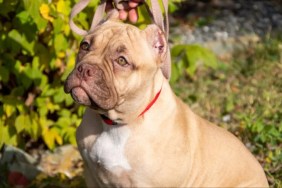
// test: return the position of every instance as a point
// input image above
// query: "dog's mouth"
(82, 97)
(93, 97)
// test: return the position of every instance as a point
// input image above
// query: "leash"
(155, 13)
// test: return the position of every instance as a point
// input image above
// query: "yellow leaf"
(49, 138)
(61, 6)
(67, 29)
(71, 61)
(58, 138)
(61, 55)
(44, 11)
(52, 107)
(22, 122)
(8, 109)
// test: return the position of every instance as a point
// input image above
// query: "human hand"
(130, 9)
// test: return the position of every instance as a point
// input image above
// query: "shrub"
(38, 51)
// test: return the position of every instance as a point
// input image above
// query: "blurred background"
(227, 66)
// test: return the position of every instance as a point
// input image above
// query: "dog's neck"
(110, 122)
(143, 106)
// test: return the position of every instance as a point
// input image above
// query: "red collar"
(151, 103)
(111, 122)
(108, 121)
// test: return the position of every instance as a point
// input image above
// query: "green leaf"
(22, 121)
(172, 7)
(4, 74)
(9, 109)
(80, 111)
(82, 18)
(65, 113)
(22, 41)
(60, 95)
(23, 17)
(44, 82)
(175, 74)
(33, 72)
(60, 43)
(47, 92)
(58, 23)
(63, 122)
(196, 54)
(51, 136)
(32, 8)
(43, 53)
(177, 50)
(192, 58)
(69, 135)
(209, 58)
(64, 7)
(68, 100)
(33, 129)
(41, 104)
(8, 135)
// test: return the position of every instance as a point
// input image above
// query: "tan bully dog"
(135, 131)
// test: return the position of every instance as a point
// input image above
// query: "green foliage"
(189, 58)
(38, 55)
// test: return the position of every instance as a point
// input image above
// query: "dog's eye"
(84, 46)
(122, 61)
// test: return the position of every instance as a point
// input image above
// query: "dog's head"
(115, 64)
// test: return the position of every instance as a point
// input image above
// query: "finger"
(133, 15)
(133, 4)
(123, 14)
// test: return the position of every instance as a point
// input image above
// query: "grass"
(244, 96)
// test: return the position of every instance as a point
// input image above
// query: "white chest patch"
(109, 147)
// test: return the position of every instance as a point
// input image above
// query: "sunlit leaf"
(8, 135)
(33, 9)
(22, 121)
(22, 41)
(8, 109)
(60, 43)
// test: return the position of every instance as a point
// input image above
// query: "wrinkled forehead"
(114, 33)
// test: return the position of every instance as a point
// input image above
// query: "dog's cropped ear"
(156, 39)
